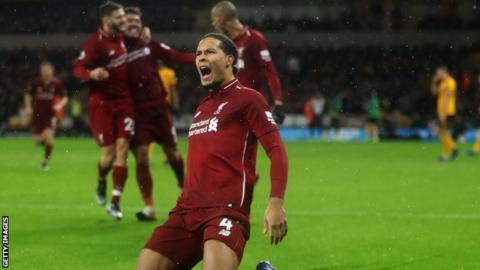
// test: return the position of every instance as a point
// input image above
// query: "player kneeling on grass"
(40, 104)
(211, 218)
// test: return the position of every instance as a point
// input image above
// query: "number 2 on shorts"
(129, 125)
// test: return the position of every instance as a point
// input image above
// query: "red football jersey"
(145, 84)
(110, 53)
(254, 62)
(43, 95)
(222, 148)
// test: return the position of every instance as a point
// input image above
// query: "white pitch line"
(4, 208)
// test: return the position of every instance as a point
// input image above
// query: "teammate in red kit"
(254, 61)
(39, 102)
(103, 64)
(211, 218)
(153, 118)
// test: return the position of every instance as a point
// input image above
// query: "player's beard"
(213, 86)
(117, 28)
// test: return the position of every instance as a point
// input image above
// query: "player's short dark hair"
(227, 9)
(227, 46)
(133, 10)
(106, 9)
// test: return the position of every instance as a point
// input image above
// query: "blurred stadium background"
(338, 48)
(350, 205)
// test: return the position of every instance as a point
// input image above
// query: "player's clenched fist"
(99, 74)
(275, 221)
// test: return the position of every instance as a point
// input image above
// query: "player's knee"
(218, 255)
(172, 153)
(151, 260)
(141, 155)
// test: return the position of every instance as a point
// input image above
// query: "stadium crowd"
(367, 15)
(400, 76)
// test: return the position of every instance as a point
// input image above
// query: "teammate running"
(40, 104)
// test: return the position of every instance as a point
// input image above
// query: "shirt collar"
(224, 89)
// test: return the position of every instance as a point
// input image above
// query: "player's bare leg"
(104, 167)
(475, 150)
(217, 255)
(145, 183)
(151, 260)
(45, 139)
(176, 162)
(119, 174)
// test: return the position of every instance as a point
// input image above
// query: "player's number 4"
(227, 223)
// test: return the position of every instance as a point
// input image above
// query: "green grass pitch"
(349, 206)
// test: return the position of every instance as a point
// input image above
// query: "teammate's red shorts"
(182, 236)
(110, 120)
(42, 121)
(154, 123)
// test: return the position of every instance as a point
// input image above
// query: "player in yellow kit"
(475, 150)
(444, 87)
(169, 80)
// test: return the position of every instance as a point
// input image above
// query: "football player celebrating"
(211, 218)
(153, 117)
(103, 65)
(40, 104)
(254, 59)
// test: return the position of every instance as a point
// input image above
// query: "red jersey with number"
(108, 52)
(254, 62)
(145, 83)
(222, 145)
(43, 95)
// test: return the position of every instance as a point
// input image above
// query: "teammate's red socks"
(178, 168)
(144, 179)
(119, 174)
(48, 151)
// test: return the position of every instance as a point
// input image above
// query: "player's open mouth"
(205, 72)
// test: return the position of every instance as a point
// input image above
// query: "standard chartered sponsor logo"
(204, 126)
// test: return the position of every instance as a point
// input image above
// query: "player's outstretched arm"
(60, 105)
(275, 220)
(27, 103)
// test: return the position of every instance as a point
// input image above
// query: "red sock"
(119, 177)
(103, 172)
(177, 167)
(48, 151)
(145, 183)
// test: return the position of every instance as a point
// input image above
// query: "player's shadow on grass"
(374, 266)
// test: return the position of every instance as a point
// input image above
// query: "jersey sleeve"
(85, 61)
(262, 54)
(259, 118)
(162, 51)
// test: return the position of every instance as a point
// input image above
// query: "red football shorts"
(182, 236)
(40, 122)
(110, 120)
(154, 124)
